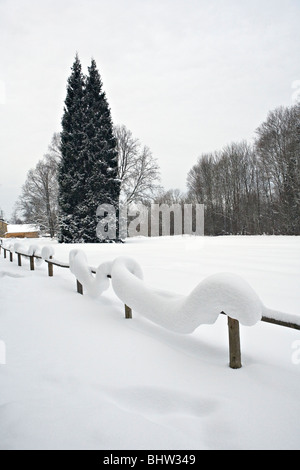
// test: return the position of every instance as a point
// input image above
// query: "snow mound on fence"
(33, 250)
(218, 293)
(182, 314)
(18, 247)
(83, 273)
(47, 252)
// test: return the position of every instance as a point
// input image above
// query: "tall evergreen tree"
(71, 175)
(100, 155)
(89, 168)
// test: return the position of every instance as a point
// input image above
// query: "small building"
(22, 231)
(3, 228)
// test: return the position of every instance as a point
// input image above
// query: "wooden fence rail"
(235, 361)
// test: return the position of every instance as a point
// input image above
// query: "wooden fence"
(235, 360)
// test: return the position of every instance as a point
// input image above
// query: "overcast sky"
(185, 76)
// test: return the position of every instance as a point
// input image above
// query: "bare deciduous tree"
(38, 201)
(138, 169)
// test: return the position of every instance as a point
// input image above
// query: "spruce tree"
(100, 155)
(71, 174)
(89, 168)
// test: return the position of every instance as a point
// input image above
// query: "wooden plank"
(79, 287)
(128, 312)
(281, 323)
(55, 263)
(295, 326)
(235, 361)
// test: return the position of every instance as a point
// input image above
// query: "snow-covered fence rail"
(47, 254)
(288, 324)
(182, 314)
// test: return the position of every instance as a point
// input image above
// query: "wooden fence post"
(11, 256)
(19, 259)
(234, 344)
(4, 252)
(31, 263)
(128, 312)
(50, 267)
(79, 287)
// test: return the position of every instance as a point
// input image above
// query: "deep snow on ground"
(78, 375)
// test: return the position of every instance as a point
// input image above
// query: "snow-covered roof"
(20, 228)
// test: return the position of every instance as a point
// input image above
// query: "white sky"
(185, 76)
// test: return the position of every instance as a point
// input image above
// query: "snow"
(184, 314)
(281, 316)
(47, 252)
(15, 228)
(79, 267)
(23, 248)
(78, 375)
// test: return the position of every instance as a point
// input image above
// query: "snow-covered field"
(78, 375)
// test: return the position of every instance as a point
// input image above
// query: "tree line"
(253, 189)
